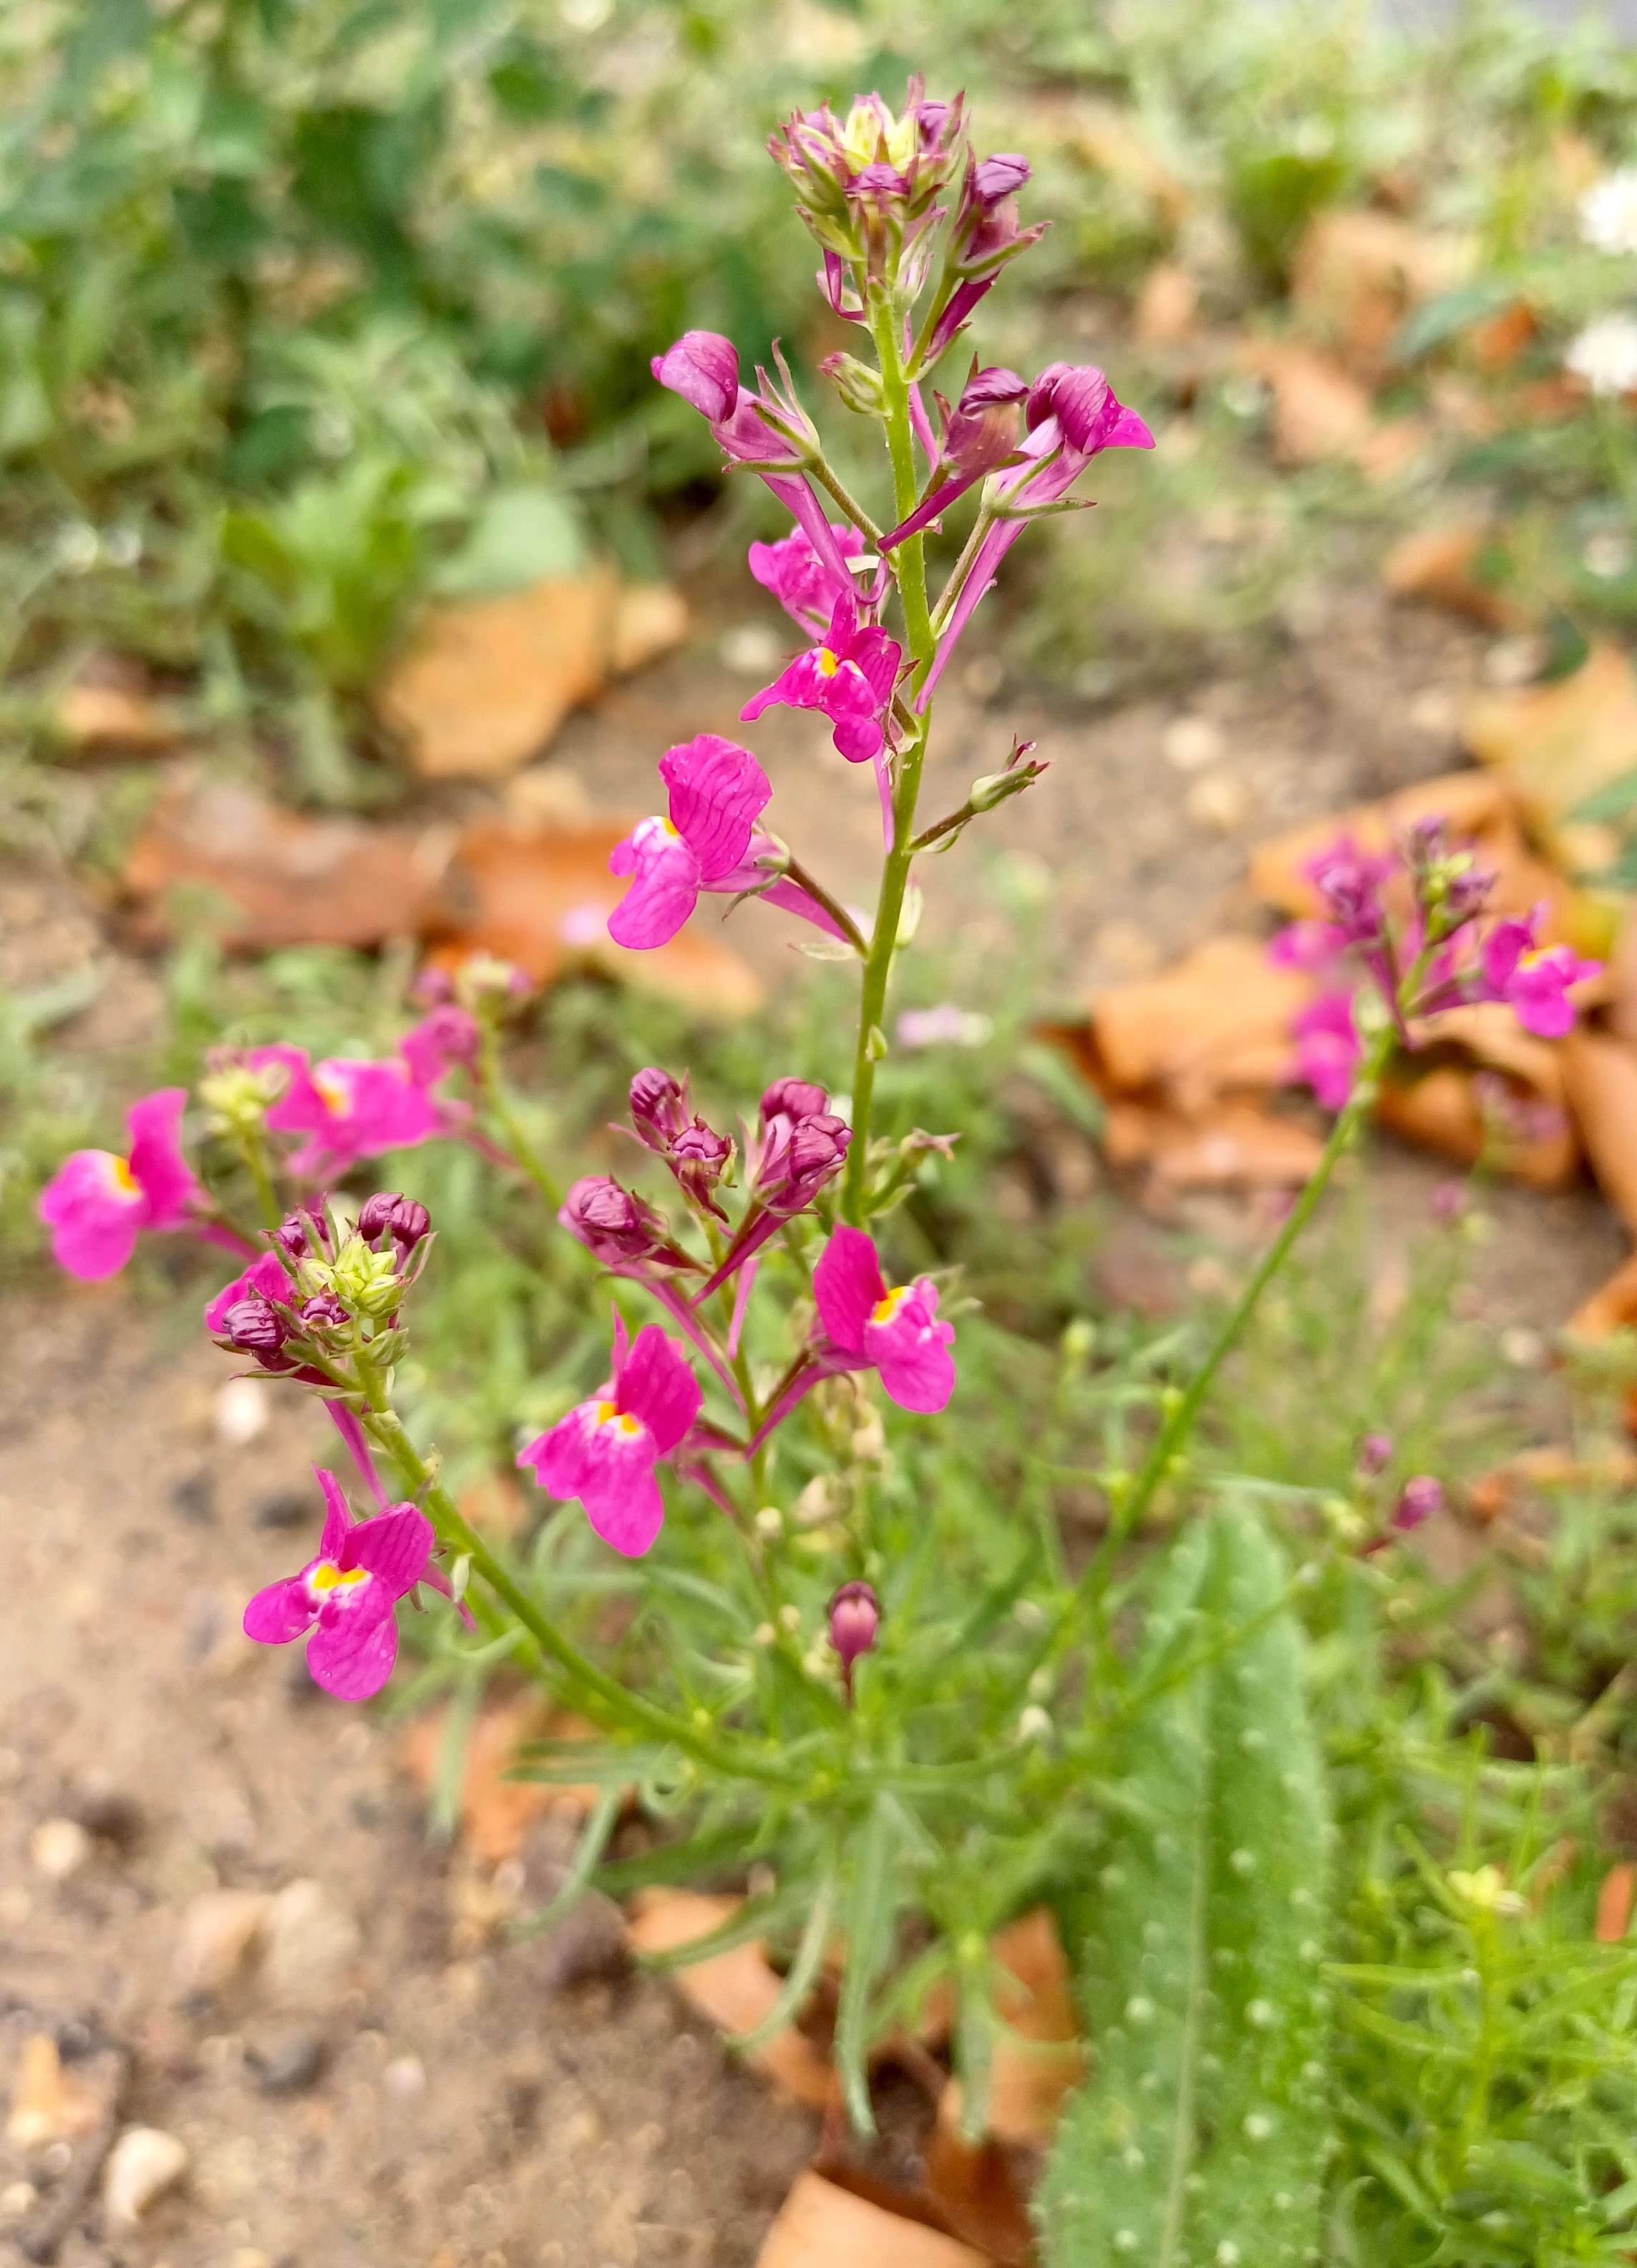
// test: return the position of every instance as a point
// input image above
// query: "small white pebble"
(16, 2198)
(1190, 743)
(142, 2164)
(59, 1848)
(405, 2076)
(242, 1410)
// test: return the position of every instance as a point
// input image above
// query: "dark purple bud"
(254, 1326)
(1079, 396)
(817, 1152)
(1375, 1454)
(404, 1219)
(324, 1312)
(794, 1099)
(614, 1227)
(433, 988)
(703, 368)
(999, 176)
(291, 1234)
(1418, 1499)
(854, 1619)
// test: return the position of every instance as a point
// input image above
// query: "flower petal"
(280, 1613)
(94, 1211)
(338, 1520)
(157, 1163)
(718, 790)
(664, 890)
(629, 1517)
(656, 1383)
(352, 1658)
(911, 1352)
(264, 1277)
(847, 1286)
(394, 1546)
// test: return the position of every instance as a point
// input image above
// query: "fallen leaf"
(1220, 1019)
(1436, 565)
(1557, 744)
(1320, 411)
(822, 2226)
(1038, 2057)
(282, 878)
(735, 1989)
(1440, 1109)
(485, 682)
(95, 717)
(1168, 306)
(1611, 1308)
(1614, 1903)
(539, 895)
(1498, 341)
(1356, 274)
(650, 619)
(1236, 1145)
(497, 1812)
(1600, 1075)
(977, 2194)
(49, 2104)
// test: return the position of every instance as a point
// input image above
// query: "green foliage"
(1202, 2135)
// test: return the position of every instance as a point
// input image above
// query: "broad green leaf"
(1200, 2140)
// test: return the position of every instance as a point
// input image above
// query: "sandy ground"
(396, 2084)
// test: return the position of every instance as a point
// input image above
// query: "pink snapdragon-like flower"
(348, 1109)
(897, 1333)
(1073, 416)
(605, 1450)
(849, 678)
(447, 1038)
(1534, 980)
(806, 586)
(1328, 1047)
(710, 841)
(979, 435)
(97, 1204)
(348, 1595)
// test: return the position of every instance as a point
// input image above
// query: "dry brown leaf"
(1614, 1903)
(1600, 1074)
(1356, 274)
(977, 2195)
(1498, 341)
(1236, 1145)
(821, 2226)
(1439, 1111)
(285, 879)
(49, 2104)
(94, 717)
(485, 682)
(1038, 2057)
(1320, 411)
(494, 1506)
(735, 1989)
(1220, 1019)
(650, 619)
(1557, 744)
(1611, 1308)
(1168, 306)
(496, 1813)
(1435, 564)
(539, 895)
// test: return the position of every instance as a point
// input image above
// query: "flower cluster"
(1414, 920)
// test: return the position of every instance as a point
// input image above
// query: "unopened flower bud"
(855, 1618)
(324, 1312)
(703, 368)
(793, 1099)
(403, 1219)
(1375, 1454)
(366, 1281)
(859, 386)
(254, 1326)
(658, 1109)
(1418, 1499)
(238, 1098)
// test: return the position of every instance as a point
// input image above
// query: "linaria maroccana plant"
(958, 1736)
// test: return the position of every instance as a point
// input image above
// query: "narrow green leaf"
(1201, 2137)
(799, 1983)
(868, 1916)
(593, 1841)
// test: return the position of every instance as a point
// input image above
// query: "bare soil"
(443, 2093)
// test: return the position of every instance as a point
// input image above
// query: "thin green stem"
(492, 1084)
(1180, 1421)
(798, 874)
(909, 567)
(823, 472)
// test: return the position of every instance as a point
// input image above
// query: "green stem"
(493, 1086)
(909, 567)
(1180, 1422)
(254, 1150)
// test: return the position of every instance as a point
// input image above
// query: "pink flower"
(348, 1109)
(710, 841)
(449, 1036)
(703, 368)
(896, 1333)
(1533, 981)
(1349, 880)
(605, 1450)
(805, 585)
(850, 678)
(1328, 1047)
(347, 1596)
(96, 1204)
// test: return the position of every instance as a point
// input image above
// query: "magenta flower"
(1328, 1047)
(710, 841)
(703, 368)
(806, 586)
(264, 1279)
(800, 1146)
(96, 1204)
(347, 1107)
(620, 1230)
(850, 678)
(605, 1450)
(980, 436)
(896, 1333)
(854, 1619)
(1073, 416)
(1349, 880)
(439, 1042)
(1375, 1454)
(1533, 981)
(1418, 1499)
(696, 1154)
(347, 1596)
